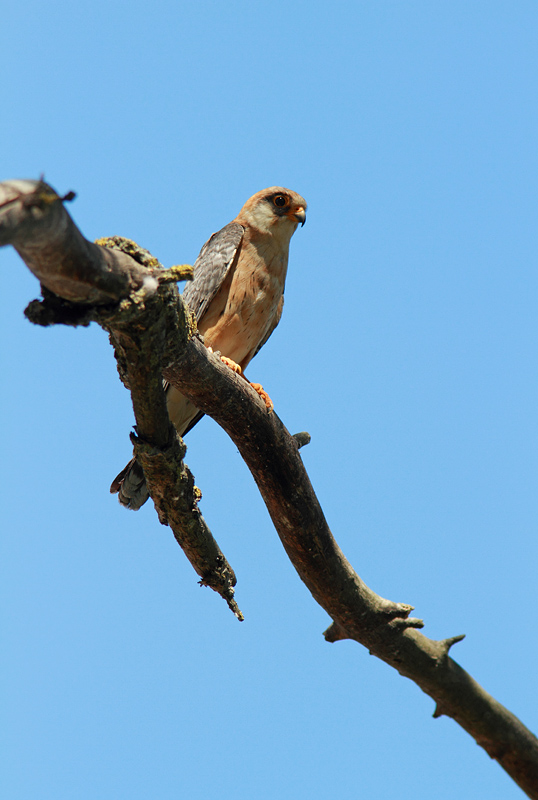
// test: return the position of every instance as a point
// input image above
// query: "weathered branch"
(272, 455)
(137, 304)
(380, 625)
(33, 219)
(138, 331)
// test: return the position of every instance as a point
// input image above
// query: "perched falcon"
(237, 297)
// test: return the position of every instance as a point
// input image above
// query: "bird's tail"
(130, 486)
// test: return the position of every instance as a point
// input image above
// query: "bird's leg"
(263, 394)
(258, 388)
(230, 363)
(225, 360)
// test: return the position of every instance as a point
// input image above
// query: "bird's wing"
(211, 267)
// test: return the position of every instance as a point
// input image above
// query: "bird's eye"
(280, 200)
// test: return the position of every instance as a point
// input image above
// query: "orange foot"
(263, 394)
(233, 366)
(258, 388)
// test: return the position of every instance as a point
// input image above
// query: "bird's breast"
(246, 305)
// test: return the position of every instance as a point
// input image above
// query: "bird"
(237, 297)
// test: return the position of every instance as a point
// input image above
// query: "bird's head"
(276, 210)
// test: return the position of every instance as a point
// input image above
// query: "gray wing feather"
(211, 267)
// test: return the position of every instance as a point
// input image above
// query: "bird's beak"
(299, 215)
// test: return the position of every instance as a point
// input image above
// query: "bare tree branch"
(138, 332)
(272, 455)
(139, 306)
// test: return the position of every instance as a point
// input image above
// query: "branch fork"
(154, 336)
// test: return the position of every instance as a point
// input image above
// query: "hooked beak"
(299, 215)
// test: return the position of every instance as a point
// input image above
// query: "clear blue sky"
(407, 349)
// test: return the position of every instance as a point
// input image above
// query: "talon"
(233, 366)
(258, 388)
